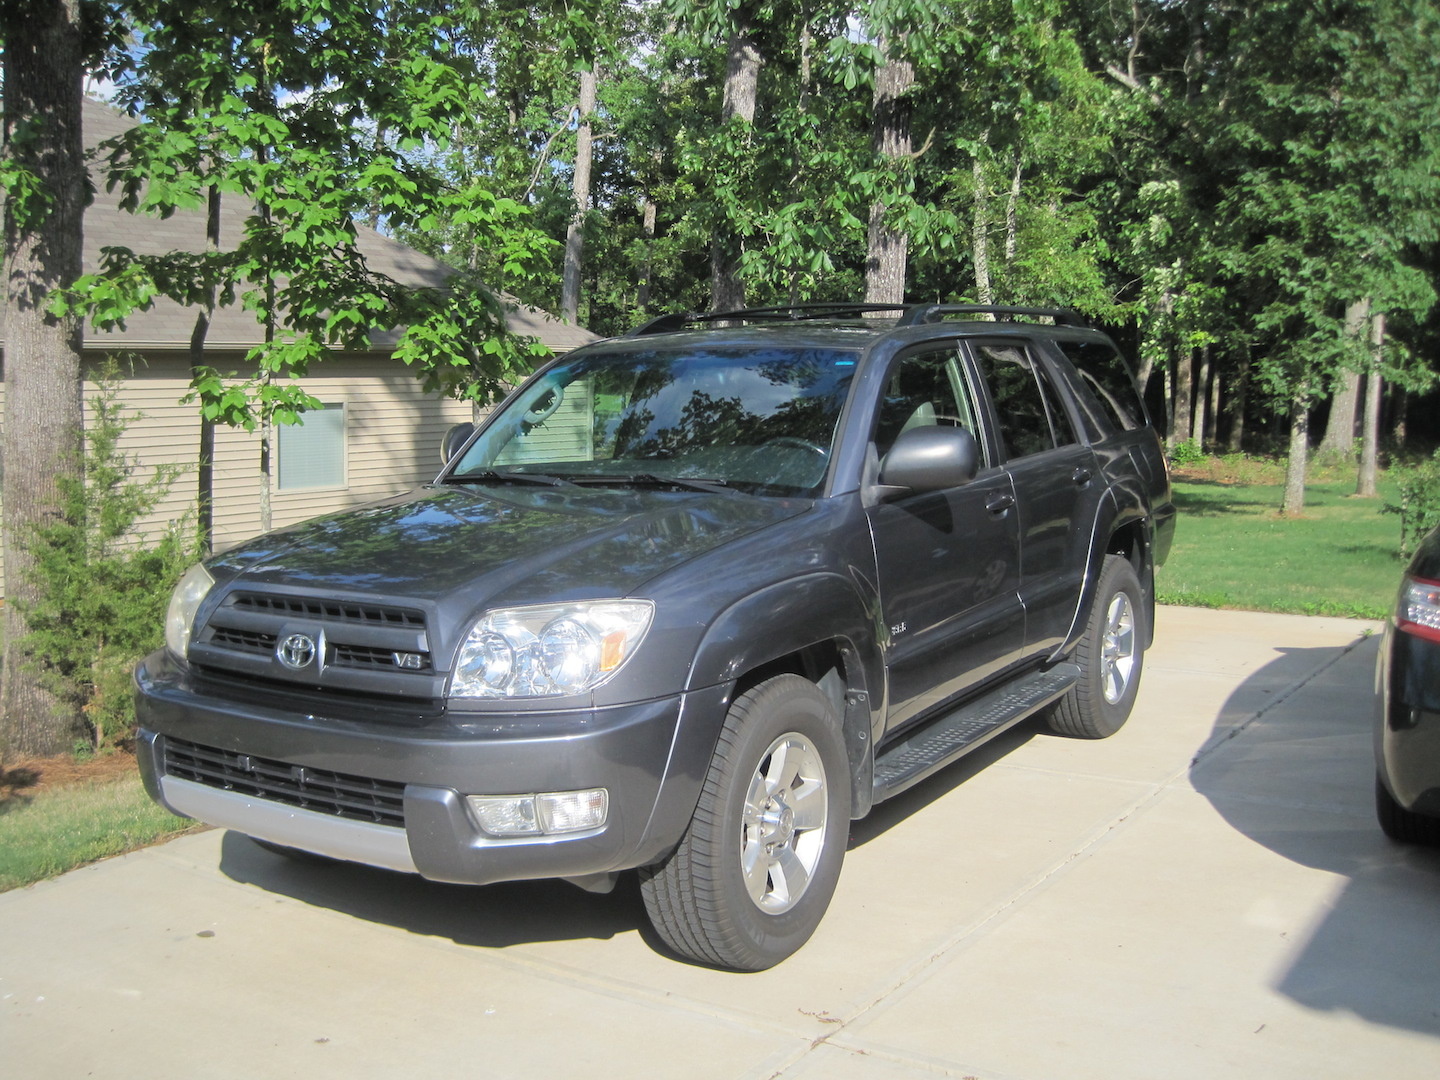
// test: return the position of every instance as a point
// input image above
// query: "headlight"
(184, 602)
(549, 650)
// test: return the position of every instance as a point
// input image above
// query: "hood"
(502, 543)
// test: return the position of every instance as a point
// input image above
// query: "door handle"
(999, 503)
(1081, 476)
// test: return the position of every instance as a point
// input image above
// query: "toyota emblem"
(296, 651)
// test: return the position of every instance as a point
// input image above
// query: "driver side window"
(925, 389)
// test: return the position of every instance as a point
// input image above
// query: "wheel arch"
(1122, 527)
(822, 628)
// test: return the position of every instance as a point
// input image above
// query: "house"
(379, 432)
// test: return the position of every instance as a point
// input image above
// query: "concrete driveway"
(1204, 895)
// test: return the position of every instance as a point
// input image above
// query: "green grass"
(1233, 549)
(60, 829)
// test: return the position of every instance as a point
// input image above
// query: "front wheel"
(755, 871)
(1111, 655)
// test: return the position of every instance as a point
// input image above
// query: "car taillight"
(1418, 612)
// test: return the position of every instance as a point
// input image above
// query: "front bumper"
(650, 756)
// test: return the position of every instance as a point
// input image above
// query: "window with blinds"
(312, 453)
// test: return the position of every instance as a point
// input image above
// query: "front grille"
(305, 607)
(228, 637)
(358, 798)
(364, 656)
(359, 636)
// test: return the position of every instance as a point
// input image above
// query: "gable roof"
(167, 325)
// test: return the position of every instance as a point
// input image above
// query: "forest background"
(1246, 193)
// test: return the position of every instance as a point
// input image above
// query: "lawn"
(64, 825)
(1233, 549)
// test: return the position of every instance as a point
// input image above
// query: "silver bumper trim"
(324, 834)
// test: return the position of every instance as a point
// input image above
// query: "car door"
(947, 560)
(1057, 485)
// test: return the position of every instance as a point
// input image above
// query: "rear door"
(1057, 485)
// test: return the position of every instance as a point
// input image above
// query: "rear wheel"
(1111, 655)
(756, 869)
(1403, 825)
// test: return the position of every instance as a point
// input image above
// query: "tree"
(315, 114)
(43, 172)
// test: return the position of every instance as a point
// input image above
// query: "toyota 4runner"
(688, 602)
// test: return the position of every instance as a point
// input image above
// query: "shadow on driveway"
(493, 916)
(1297, 779)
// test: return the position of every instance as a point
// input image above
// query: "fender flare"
(797, 615)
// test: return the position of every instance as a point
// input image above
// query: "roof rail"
(919, 314)
(909, 315)
(665, 324)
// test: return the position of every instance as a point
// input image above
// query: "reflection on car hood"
(530, 545)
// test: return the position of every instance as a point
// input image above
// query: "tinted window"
(1020, 408)
(757, 419)
(1108, 376)
(924, 389)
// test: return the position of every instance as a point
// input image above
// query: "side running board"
(938, 743)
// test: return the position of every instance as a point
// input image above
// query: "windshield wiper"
(505, 476)
(684, 483)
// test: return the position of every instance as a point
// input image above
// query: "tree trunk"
(1202, 399)
(1236, 442)
(1012, 212)
(1184, 404)
(205, 462)
(888, 249)
(980, 235)
(1294, 502)
(1211, 435)
(741, 95)
(642, 294)
(1366, 483)
(43, 73)
(1340, 428)
(574, 235)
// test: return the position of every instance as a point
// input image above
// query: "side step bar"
(954, 734)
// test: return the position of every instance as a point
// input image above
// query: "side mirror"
(926, 459)
(454, 439)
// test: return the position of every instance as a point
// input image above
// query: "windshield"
(757, 420)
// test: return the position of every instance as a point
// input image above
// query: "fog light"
(574, 811)
(547, 814)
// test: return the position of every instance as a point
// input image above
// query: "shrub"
(1188, 452)
(102, 593)
(1419, 505)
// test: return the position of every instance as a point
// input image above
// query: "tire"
(1111, 655)
(1404, 826)
(757, 866)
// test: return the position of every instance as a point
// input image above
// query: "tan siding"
(393, 434)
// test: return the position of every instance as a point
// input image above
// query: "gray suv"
(687, 603)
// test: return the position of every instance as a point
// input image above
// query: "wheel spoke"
(808, 802)
(755, 866)
(789, 875)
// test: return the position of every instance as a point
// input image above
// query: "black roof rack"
(665, 324)
(909, 314)
(919, 314)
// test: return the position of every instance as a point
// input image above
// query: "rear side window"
(1107, 375)
(1031, 422)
